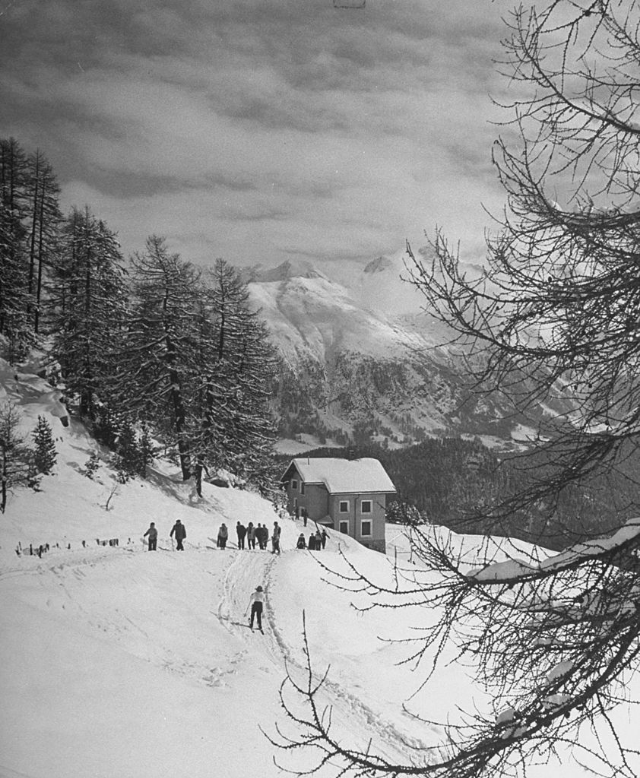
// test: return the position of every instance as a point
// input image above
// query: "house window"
(344, 527)
(365, 506)
(294, 485)
(301, 487)
(365, 528)
(344, 506)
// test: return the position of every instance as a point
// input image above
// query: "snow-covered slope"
(122, 663)
(359, 349)
(316, 317)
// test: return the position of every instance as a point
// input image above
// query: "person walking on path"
(256, 602)
(275, 538)
(251, 535)
(241, 531)
(324, 537)
(180, 531)
(152, 532)
(223, 534)
(312, 542)
(318, 540)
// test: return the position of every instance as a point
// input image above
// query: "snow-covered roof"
(344, 476)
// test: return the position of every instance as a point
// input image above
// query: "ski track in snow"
(241, 578)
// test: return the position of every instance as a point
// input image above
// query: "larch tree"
(158, 363)
(87, 299)
(236, 430)
(554, 640)
(14, 292)
(44, 226)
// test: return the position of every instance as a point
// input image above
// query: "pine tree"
(88, 295)
(14, 294)
(236, 367)
(157, 365)
(128, 455)
(45, 450)
(91, 466)
(44, 224)
(146, 450)
(16, 460)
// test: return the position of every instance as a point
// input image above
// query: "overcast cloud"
(259, 130)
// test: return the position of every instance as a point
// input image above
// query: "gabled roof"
(344, 476)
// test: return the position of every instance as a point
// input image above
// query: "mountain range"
(363, 360)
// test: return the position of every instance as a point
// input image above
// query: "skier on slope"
(180, 531)
(256, 602)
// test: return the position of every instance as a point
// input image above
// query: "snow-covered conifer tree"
(157, 364)
(235, 427)
(16, 460)
(45, 449)
(88, 298)
(44, 225)
(14, 267)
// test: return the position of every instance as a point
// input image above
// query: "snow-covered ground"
(121, 663)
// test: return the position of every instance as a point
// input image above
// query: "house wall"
(315, 499)
(355, 517)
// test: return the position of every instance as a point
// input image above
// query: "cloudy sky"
(262, 130)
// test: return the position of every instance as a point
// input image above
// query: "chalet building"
(349, 495)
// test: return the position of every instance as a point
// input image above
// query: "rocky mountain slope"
(363, 360)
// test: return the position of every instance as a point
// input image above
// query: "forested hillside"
(449, 481)
(142, 347)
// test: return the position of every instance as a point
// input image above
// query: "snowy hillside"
(359, 349)
(122, 663)
(368, 311)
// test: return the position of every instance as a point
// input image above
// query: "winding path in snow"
(245, 572)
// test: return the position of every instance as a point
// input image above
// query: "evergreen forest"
(152, 352)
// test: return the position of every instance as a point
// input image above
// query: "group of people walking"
(178, 531)
(247, 537)
(250, 535)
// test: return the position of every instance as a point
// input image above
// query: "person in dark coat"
(152, 532)
(262, 536)
(318, 540)
(312, 542)
(180, 531)
(241, 531)
(302, 543)
(275, 538)
(324, 537)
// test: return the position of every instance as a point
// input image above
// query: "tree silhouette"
(554, 640)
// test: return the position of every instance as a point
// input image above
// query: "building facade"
(350, 496)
